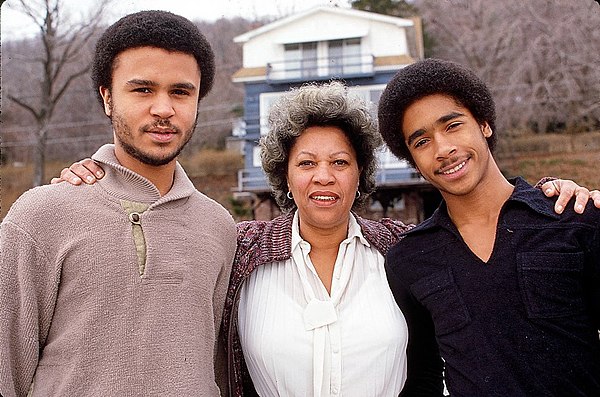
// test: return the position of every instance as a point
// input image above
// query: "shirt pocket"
(551, 283)
(440, 295)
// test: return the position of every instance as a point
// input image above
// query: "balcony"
(310, 69)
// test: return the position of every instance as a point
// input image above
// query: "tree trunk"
(40, 156)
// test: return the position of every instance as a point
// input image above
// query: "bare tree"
(539, 57)
(59, 64)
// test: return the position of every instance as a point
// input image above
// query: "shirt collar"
(354, 231)
(523, 193)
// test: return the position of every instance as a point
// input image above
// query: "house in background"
(364, 50)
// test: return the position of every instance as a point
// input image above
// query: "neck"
(483, 203)
(323, 239)
(161, 176)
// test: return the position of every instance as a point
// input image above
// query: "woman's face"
(323, 177)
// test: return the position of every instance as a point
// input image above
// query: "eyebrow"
(444, 119)
(142, 82)
(150, 83)
(306, 152)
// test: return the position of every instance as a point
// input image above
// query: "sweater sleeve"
(28, 287)
(424, 363)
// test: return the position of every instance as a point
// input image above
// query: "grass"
(213, 172)
(580, 167)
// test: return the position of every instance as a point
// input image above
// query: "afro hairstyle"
(160, 29)
(429, 77)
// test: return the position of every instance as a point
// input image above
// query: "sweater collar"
(125, 184)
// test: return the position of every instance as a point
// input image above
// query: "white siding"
(378, 38)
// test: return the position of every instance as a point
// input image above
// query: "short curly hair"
(160, 29)
(313, 105)
(429, 77)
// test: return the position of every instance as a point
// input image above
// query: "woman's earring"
(357, 194)
(289, 195)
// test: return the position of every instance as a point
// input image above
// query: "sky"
(16, 25)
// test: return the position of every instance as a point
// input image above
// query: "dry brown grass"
(568, 156)
(578, 166)
(213, 172)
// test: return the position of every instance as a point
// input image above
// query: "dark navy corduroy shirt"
(524, 323)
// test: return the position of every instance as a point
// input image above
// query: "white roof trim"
(402, 22)
(307, 37)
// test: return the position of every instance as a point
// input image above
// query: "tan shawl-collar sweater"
(111, 289)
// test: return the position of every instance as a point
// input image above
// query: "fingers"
(93, 168)
(582, 195)
(595, 195)
(68, 176)
(56, 180)
(550, 189)
(566, 190)
(77, 171)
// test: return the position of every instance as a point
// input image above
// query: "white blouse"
(300, 341)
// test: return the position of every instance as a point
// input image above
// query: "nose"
(323, 175)
(162, 107)
(444, 147)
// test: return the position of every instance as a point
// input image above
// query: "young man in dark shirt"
(508, 289)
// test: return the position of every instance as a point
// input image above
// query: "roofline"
(401, 22)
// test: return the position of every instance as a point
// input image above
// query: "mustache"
(449, 161)
(161, 124)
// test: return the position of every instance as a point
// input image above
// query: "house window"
(266, 100)
(301, 60)
(344, 56)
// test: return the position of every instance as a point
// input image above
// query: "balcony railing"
(320, 68)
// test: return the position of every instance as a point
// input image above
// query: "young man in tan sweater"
(118, 288)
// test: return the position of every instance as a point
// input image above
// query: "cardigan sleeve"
(219, 302)
(424, 363)
(28, 287)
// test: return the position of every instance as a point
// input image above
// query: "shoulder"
(46, 213)
(213, 211)
(270, 232)
(384, 225)
(46, 201)
(382, 233)
(250, 231)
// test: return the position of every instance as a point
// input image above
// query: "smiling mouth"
(323, 198)
(454, 169)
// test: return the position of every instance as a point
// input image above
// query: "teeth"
(323, 198)
(453, 170)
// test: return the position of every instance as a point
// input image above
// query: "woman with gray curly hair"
(309, 310)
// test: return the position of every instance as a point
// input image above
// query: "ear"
(486, 130)
(107, 99)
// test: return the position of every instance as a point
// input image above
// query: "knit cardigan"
(90, 307)
(261, 242)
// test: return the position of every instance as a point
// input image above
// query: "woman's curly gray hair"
(313, 105)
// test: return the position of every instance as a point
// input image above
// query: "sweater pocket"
(551, 283)
(440, 295)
